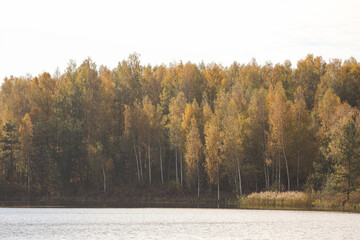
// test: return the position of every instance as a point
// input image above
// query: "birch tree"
(193, 155)
(26, 134)
(213, 155)
(176, 111)
(279, 119)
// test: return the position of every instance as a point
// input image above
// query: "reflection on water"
(117, 204)
(174, 223)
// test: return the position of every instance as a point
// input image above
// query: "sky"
(38, 36)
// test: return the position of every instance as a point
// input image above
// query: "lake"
(175, 223)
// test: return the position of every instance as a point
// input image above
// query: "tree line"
(241, 129)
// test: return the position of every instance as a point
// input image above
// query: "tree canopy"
(241, 128)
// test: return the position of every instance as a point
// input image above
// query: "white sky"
(37, 36)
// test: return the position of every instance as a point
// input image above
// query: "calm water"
(175, 223)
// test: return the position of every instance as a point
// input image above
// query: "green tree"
(345, 149)
(10, 147)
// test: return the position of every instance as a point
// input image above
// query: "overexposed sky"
(38, 36)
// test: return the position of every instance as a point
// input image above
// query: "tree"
(345, 148)
(151, 83)
(127, 78)
(304, 141)
(192, 111)
(132, 134)
(326, 110)
(234, 133)
(279, 120)
(325, 114)
(250, 126)
(149, 113)
(214, 78)
(176, 110)
(101, 164)
(190, 82)
(213, 155)
(343, 80)
(259, 127)
(193, 154)
(249, 78)
(26, 134)
(308, 74)
(10, 147)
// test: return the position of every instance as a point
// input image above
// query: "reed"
(276, 199)
(301, 200)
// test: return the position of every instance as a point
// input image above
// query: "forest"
(181, 128)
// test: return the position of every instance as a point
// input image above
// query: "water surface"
(175, 223)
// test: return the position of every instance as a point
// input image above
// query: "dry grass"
(276, 199)
(300, 200)
(278, 196)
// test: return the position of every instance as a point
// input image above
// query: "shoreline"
(56, 203)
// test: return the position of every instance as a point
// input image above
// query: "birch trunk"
(28, 177)
(149, 163)
(218, 186)
(266, 170)
(236, 181)
(198, 183)
(140, 163)
(265, 174)
(161, 167)
(349, 178)
(286, 162)
(104, 179)
(176, 164)
(181, 171)
(298, 151)
(256, 184)
(137, 164)
(268, 176)
(238, 166)
(279, 172)
(298, 166)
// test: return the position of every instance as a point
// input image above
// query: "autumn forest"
(181, 128)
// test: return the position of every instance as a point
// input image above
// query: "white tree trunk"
(140, 163)
(104, 179)
(218, 186)
(181, 171)
(176, 164)
(149, 163)
(266, 170)
(137, 164)
(286, 162)
(240, 187)
(161, 167)
(279, 173)
(28, 177)
(265, 175)
(298, 150)
(298, 166)
(198, 183)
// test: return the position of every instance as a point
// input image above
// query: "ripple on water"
(176, 223)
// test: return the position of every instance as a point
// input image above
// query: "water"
(175, 223)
